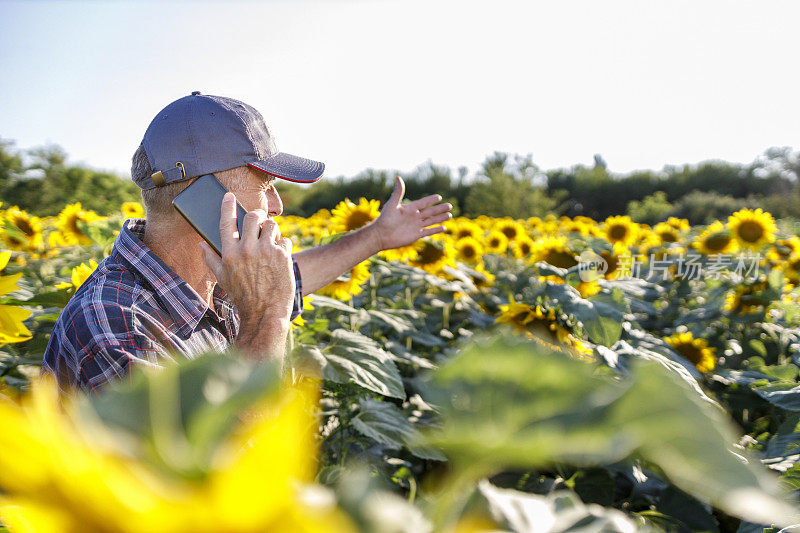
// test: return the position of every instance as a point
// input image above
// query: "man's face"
(259, 193)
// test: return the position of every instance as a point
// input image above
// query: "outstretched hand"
(402, 224)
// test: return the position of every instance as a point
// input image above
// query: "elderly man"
(164, 291)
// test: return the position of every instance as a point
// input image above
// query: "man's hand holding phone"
(256, 271)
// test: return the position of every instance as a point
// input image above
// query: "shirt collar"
(184, 305)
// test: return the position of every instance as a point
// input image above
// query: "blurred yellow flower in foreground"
(79, 275)
(54, 479)
(12, 328)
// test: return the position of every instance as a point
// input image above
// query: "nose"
(274, 202)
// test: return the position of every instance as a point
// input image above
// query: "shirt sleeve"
(103, 363)
(297, 307)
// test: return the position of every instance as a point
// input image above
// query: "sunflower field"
(544, 374)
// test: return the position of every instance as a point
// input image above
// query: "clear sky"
(391, 84)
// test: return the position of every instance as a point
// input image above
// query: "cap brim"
(290, 167)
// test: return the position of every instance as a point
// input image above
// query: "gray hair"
(158, 202)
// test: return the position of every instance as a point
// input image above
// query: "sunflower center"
(24, 226)
(525, 248)
(509, 231)
(668, 236)
(690, 352)
(611, 260)
(618, 232)
(430, 254)
(783, 251)
(356, 219)
(751, 231)
(717, 242)
(560, 259)
(469, 252)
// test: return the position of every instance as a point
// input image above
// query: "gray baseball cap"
(202, 134)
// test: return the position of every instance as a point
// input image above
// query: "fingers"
(228, 231)
(423, 203)
(438, 219)
(286, 243)
(271, 231)
(213, 261)
(427, 232)
(435, 210)
(252, 223)
(398, 193)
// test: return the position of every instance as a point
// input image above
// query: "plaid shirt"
(135, 309)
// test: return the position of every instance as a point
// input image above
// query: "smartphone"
(200, 205)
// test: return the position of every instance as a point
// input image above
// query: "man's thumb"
(399, 191)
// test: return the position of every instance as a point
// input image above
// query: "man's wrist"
(263, 337)
(373, 235)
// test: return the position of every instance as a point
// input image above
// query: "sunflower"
(469, 249)
(481, 277)
(404, 254)
(55, 478)
(578, 225)
(585, 288)
(307, 306)
(347, 285)
(12, 328)
(715, 240)
(512, 229)
(791, 269)
(79, 274)
(496, 242)
(68, 223)
(648, 240)
(554, 251)
(132, 210)
(696, 351)
(348, 216)
(752, 229)
(668, 232)
(539, 324)
(486, 223)
(783, 249)
(434, 255)
(466, 228)
(680, 224)
(522, 248)
(24, 232)
(620, 229)
(749, 298)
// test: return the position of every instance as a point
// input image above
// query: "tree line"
(42, 181)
